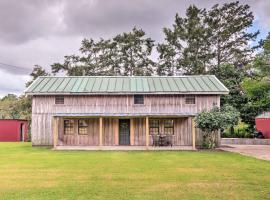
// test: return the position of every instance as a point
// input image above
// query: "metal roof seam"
(168, 84)
(199, 84)
(44, 85)
(49, 86)
(176, 84)
(220, 83)
(214, 84)
(33, 84)
(184, 84)
(59, 84)
(192, 84)
(206, 84)
(86, 85)
(75, 83)
(94, 82)
(66, 84)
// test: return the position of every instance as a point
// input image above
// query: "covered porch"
(123, 132)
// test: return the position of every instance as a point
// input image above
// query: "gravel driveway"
(257, 151)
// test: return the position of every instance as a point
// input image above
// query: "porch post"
(147, 131)
(55, 131)
(100, 131)
(131, 131)
(193, 134)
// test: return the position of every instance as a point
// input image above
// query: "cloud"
(12, 83)
(44, 31)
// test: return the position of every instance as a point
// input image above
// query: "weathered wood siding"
(44, 108)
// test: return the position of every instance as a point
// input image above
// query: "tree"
(212, 121)
(204, 40)
(186, 47)
(37, 71)
(230, 38)
(256, 86)
(125, 54)
(134, 51)
(232, 79)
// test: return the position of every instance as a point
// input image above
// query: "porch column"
(193, 134)
(100, 131)
(147, 131)
(131, 131)
(55, 131)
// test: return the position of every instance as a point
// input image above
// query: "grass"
(40, 173)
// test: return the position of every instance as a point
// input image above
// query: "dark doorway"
(124, 132)
(21, 132)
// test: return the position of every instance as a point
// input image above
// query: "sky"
(44, 31)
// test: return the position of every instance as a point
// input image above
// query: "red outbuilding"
(263, 124)
(13, 130)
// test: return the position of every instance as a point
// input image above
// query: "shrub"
(212, 121)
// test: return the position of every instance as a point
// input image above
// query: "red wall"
(10, 130)
(263, 125)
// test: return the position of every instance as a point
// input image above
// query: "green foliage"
(37, 71)
(204, 40)
(241, 130)
(215, 119)
(13, 107)
(257, 86)
(258, 93)
(232, 79)
(186, 46)
(125, 54)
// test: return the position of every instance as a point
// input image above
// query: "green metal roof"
(204, 84)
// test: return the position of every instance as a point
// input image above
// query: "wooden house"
(120, 111)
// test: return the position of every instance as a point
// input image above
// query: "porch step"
(124, 148)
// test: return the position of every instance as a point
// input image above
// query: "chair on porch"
(156, 140)
(168, 140)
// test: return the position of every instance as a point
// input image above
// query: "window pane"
(59, 100)
(154, 123)
(68, 127)
(154, 131)
(168, 131)
(190, 99)
(168, 123)
(169, 126)
(138, 99)
(154, 126)
(83, 126)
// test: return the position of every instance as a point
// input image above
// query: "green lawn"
(40, 173)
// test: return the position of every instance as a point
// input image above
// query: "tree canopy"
(125, 54)
(204, 40)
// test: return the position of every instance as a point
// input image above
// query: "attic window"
(138, 99)
(190, 99)
(59, 100)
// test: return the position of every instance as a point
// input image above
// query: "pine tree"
(230, 37)
(204, 40)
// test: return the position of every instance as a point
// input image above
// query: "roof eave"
(126, 93)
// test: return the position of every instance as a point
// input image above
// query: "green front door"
(124, 132)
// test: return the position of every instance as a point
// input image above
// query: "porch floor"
(124, 148)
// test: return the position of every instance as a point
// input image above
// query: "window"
(190, 99)
(83, 126)
(59, 100)
(154, 126)
(168, 126)
(138, 99)
(69, 127)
